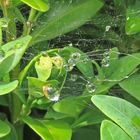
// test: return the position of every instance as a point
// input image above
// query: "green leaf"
(110, 131)
(15, 2)
(13, 51)
(35, 87)
(71, 106)
(65, 17)
(121, 112)
(131, 85)
(89, 117)
(39, 5)
(133, 19)
(23, 73)
(5, 88)
(120, 68)
(44, 67)
(4, 129)
(49, 130)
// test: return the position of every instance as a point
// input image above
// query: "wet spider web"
(95, 38)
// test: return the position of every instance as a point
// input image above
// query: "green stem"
(26, 108)
(15, 106)
(28, 25)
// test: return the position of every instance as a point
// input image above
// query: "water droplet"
(73, 77)
(70, 45)
(71, 62)
(86, 60)
(51, 93)
(68, 67)
(106, 55)
(76, 56)
(128, 18)
(107, 28)
(90, 87)
(105, 62)
(126, 77)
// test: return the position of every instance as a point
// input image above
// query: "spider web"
(89, 38)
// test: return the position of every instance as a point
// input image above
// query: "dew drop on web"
(68, 67)
(90, 87)
(105, 62)
(76, 56)
(107, 28)
(73, 77)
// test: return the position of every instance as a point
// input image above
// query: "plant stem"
(26, 108)
(28, 25)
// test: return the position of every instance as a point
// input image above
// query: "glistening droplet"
(68, 67)
(76, 56)
(90, 87)
(107, 28)
(51, 93)
(71, 62)
(105, 62)
(73, 77)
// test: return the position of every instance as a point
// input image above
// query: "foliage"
(33, 93)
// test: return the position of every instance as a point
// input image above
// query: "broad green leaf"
(15, 2)
(110, 131)
(65, 17)
(23, 73)
(131, 85)
(4, 129)
(35, 87)
(51, 114)
(121, 112)
(71, 106)
(13, 51)
(4, 101)
(6, 62)
(5, 88)
(44, 67)
(133, 19)
(118, 70)
(39, 5)
(12, 135)
(89, 117)
(49, 130)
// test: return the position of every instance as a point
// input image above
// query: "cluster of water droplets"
(105, 60)
(90, 87)
(51, 93)
(73, 60)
